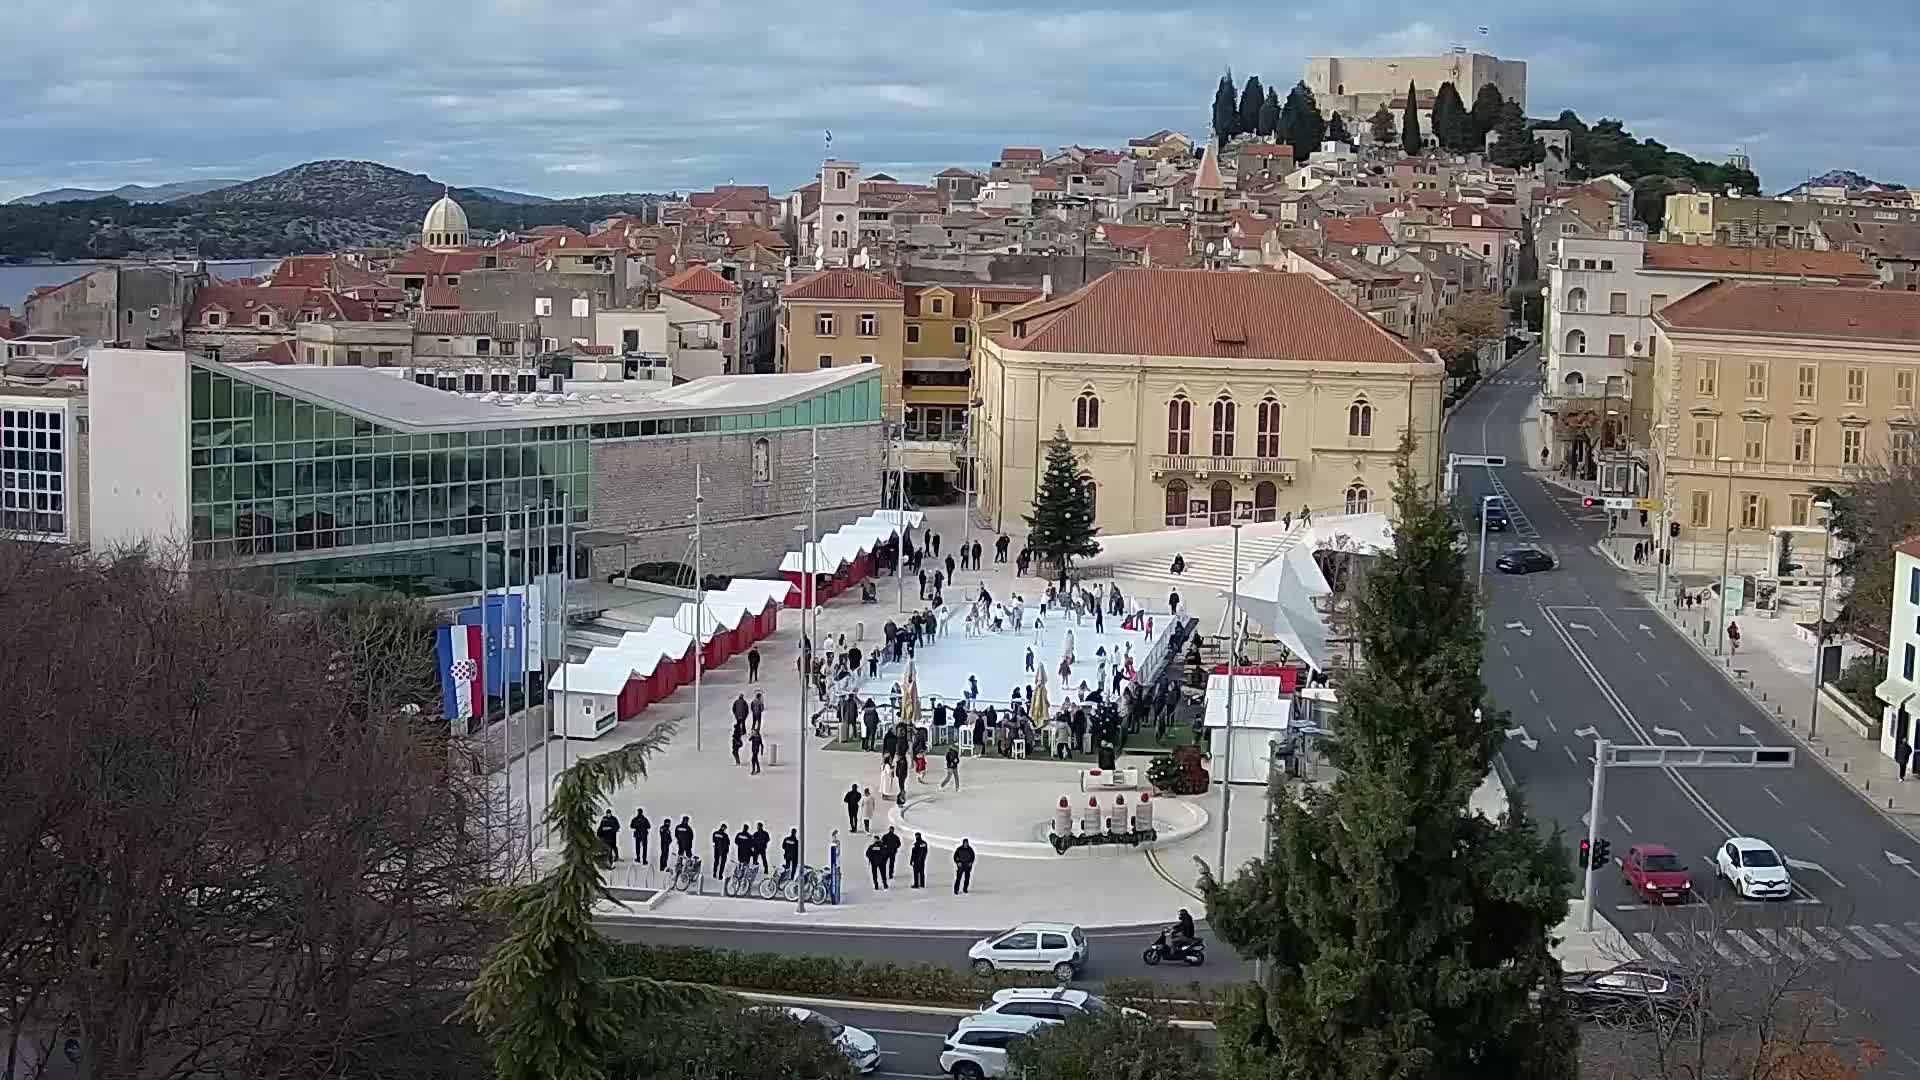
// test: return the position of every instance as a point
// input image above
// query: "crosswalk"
(1212, 565)
(1736, 947)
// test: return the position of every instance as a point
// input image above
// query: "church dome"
(445, 225)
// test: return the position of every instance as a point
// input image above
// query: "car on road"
(1057, 1005)
(1629, 994)
(1033, 946)
(1526, 560)
(1656, 874)
(862, 1049)
(1493, 513)
(977, 1047)
(1754, 869)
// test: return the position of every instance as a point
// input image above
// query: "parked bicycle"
(741, 881)
(810, 882)
(686, 873)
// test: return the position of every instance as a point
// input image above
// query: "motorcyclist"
(1183, 930)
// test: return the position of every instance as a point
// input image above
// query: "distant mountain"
(133, 193)
(1844, 178)
(514, 198)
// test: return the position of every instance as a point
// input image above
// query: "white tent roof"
(604, 671)
(757, 595)
(828, 555)
(645, 649)
(904, 519)
(721, 616)
(1367, 534)
(1256, 702)
(1280, 594)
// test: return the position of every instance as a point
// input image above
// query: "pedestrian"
(963, 868)
(755, 710)
(683, 837)
(737, 741)
(721, 840)
(760, 841)
(743, 846)
(876, 862)
(950, 566)
(790, 853)
(852, 799)
(1000, 548)
(933, 539)
(920, 765)
(917, 859)
(873, 664)
(1099, 620)
(890, 844)
(1306, 515)
(1733, 636)
(740, 711)
(642, 832)
(1902, 754)
(755, 743)
(953, 768)
(753, 664)
(980, 730)
(666, 839)
(1286, 520)
(900, 779)
(923, 584)
(976, 554)
(610, 835)
(889, 745)
(1179, 565)
(867, 805)
(1173, 603)
(1029, 659)
(870, 720)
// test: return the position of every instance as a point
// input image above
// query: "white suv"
(1035, 946)
(1056, 1005)
(977, 1048)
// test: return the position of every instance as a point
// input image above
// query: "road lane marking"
(1870, 873)
(1840, 939)
(1624, 827)
(1575, 760)
(1806, 938)
(1517, 671)
(1898, 938)
(1532, 693)
(1817, 832)
(1772, 796)
(1551, 726)
(1683, 703)
(1874, 943)
(1651, 945)
(1662, 678)
(1752, 946)
(1709, 731)
(1726, 952)
(1781, 945)
(1640, 655)
(1504, 650)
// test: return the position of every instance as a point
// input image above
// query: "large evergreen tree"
(1516, 147)
(1486, 111)
(1410, 140)
(1337, 130)
(1452, 126)
(1404, 936)
(1061, 529)
(1252, 97)
(1301, 124)
(1385, 131)
(1270, 112)
(1226, 111)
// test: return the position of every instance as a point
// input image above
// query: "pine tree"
(1385, 131)
(1410, 140)
(1252, 97)
(1515, 147)
(1270, 113)
(1487, 105)
(1452, 127)
(1061, 529)
(1301, 124)
(1405, 937)
(1337, 130)
(1226, 114)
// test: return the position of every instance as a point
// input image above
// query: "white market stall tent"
(1281, 594)
(1262, 719)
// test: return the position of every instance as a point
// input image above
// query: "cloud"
(590, 95)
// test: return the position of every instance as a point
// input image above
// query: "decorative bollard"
(1117, 817)
(1143, 814)
(1119, 828)
(1063, 818)
(1090, 818)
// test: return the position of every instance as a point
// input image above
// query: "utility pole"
(1593, 827)
(699, 606)
(900, 541)
(809, 540)
(1820, 627)
(1233, 657)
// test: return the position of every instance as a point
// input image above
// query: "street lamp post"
(1726, 560)
(809, 539)
(1485, 502)
(1820, 617)
(1233, 664)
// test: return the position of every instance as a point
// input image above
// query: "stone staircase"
(1212, 566)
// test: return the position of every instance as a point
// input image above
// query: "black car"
(1493, 514)
(1523, 561)
(1636, 993)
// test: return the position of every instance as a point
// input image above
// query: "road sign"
(1609, 502)
(1492, 461)
(1649, 505)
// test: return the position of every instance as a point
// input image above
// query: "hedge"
(920, 984)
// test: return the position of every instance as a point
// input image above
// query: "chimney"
(1046, 286)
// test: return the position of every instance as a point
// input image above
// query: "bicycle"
(686, 873)
(741, 881)
(778, 884)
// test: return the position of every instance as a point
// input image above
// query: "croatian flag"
(463, 681)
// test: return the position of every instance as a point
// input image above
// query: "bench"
(1109, 779)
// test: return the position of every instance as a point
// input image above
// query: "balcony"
(1246, 468)
(1770, 470)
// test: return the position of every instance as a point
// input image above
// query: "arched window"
(1176, 502)
(1576, 341)
(1266, 442)
(1223, 415)
(762, 462)
(1266, 499)
(1359, 499)
(1179, 426)
(1360, 418)
(1220, 503)
(1576, 299)
(1575, 380)
(1086, 410)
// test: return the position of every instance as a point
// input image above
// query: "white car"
(977, 1048)
(1058, 1005)
(1034, 946)
(1754, 869)
(861, 1048)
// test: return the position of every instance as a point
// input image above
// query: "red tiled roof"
(1104, 157)
(1360, 230)
(1209, 177)
(961, 306)
(1788, 262)
(1828, 312)
(452, 323)
(288, 303)
(1910, 546)
(698, 280)
(844, 285)
(1044, 183)
(1022, 153)
(422, 261)
(1221, 314)
(1268, 150)
(305, 270)
(739, 200)
(442, 297)
(280, 352)
(1156, 241)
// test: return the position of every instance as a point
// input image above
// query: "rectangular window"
(1703, 438)
(1906, 663)
(1799, 509)
(1806, 382)
(1753, 510)
(823, 324)
(1708, 383)
(1852, 446)
(959, 335)
(1700, 509)
(913, 335)
(1803, 444)
(1616, 345)
(869, 324)
(1756, 380)
(1656, 302)
(1617, 303)
(1913, 586)
(1756, 440)
(1900, 447)
(543, 305)
(582, 307)
(826, 360)
(1856, 386)
(866, 359)
(1903, 388)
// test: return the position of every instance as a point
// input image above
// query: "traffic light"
(1585, 854)
(1602, 854)
(1673, 529)
(1589, 502)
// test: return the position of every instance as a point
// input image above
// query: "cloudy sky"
(587, 96)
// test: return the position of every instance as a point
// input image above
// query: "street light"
(1485, 502)
(1726, 557)
(1233, 657)
(1820, 617)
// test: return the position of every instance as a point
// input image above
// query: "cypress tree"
(1337, 130)
(1487, 106)
(1410, 139)
(1252, 97)
(1226, 114)
(1385, 131)
(1516, 148)
(1405, 937)
(1452, 127)
(1270, 113)
(1301, 124)
(1061, 528)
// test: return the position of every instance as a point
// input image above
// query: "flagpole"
(480, 706)
(806, 677)
(699, 606)
(526, 684)
(566, 579)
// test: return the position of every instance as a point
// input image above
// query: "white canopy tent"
(1280, 595)
(1261, 718)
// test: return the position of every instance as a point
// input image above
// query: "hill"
(516, 198)
(133, 193)
(1844, 178)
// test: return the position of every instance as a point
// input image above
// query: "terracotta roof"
(960, 308)
(306, 270)
(1268, 150)
(956, 172)
(287, 302)
(697, 279)
(1104, 157)
(1910, 546)
(844, 285)
(1156, 241)
(1899, 242)
(1044, 183)
(1022, 153)
(280, 352)
(422, 261)
(1004, 294)
(739, 200)
(451, 323)
(444, 297)
(1788, 262)
(1360, 230)
(1222, 314)
(1209, 177)
(1808, 311)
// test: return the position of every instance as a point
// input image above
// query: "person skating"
(755, 709)
(666, 839)
(753, 664)
(963, 868)
(890, 843)
(867, 805)
(721, 838)
(877, 862)
(642, 832)
(683, 837)
(917, 859)
(610, 835)
(790, 853)
(754, 743)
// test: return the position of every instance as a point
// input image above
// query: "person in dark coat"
(917, 858)
(900, 779)
(683, 836)
(963, 868)
(790, 852)
(743, 846)
(980, 730)
(754, 743)
(721, 838)
(1000, 547)
(923, 584)
(1173, 602)
(642, 832)
(760, 841)
(889, 744)
(755, 709)
(890, 844)
(950, 566)
(739, 736)
(610, 835)
(933, 541)
(666, 840)
(1902, 755)
(740, 712)
(871, 721)
(753, 664)
(853, 659)
(852, 799)
(877, 862)
(976, 554)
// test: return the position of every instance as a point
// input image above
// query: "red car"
(1656, 874)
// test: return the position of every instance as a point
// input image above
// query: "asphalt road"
(1575, 653)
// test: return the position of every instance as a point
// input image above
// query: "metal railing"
(1798, 470)
(1203, 465)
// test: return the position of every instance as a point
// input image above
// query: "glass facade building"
(33, 471)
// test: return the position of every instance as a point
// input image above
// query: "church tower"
(1209, 226)
(839, 231)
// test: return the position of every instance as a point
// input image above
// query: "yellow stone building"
(839, 318)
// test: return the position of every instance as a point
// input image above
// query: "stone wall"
(643, 489)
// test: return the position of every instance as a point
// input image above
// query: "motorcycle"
(1164, 947)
